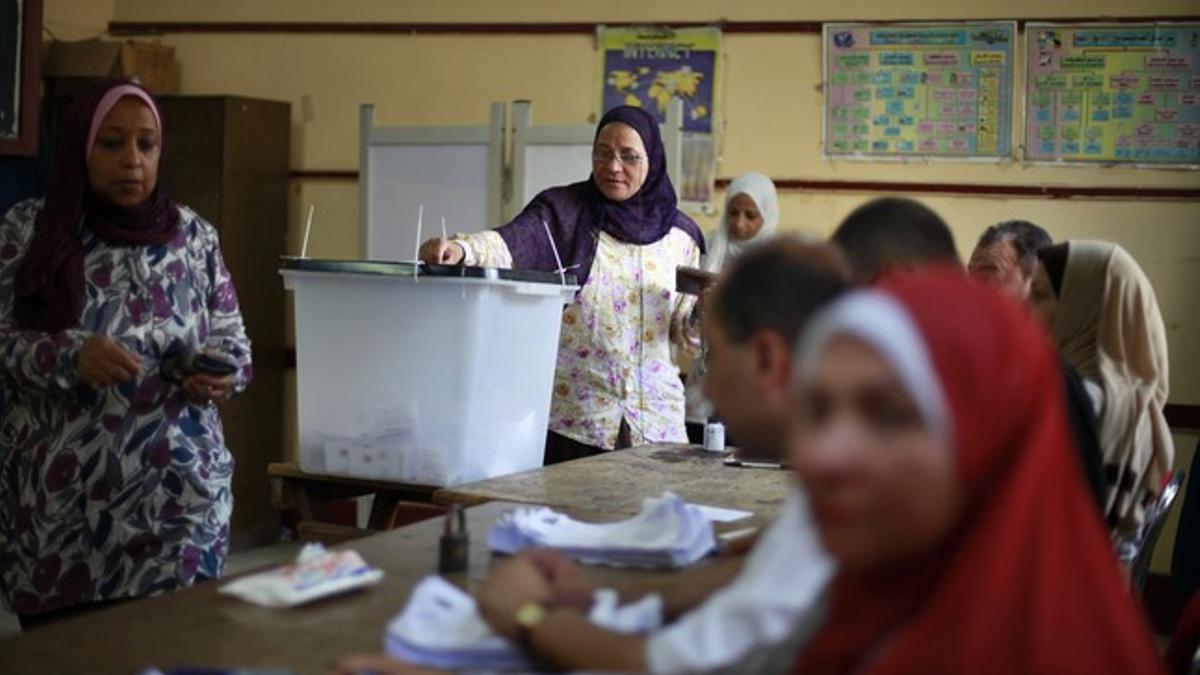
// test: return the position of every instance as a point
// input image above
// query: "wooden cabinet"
(227, 157)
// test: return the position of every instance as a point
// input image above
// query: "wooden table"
(615, 483)
(199, 627)
(310, 493)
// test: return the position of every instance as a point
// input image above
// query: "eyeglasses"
(603, 157)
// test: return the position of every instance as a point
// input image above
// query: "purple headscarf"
(49, 283)
(577, 213)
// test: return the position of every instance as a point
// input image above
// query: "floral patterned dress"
(614, 351)
(122, 491)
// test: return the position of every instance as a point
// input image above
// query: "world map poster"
(647, 67)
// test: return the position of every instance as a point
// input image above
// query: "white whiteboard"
(451, 181)
(551, 165)
(456, 173)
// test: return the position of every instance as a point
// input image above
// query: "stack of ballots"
(441, 628)
(667, 533)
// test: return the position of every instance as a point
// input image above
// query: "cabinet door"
(228, 158)
(192, 160)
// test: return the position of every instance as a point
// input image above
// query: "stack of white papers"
(667, 533)
(441, 628)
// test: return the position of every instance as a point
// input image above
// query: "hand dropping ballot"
(316, 574)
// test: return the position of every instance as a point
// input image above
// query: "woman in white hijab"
(751, 216)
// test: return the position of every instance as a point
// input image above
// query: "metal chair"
(1185, 563)
(1156, 518)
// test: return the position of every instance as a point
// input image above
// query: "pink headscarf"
(49, 283)
(110, 99)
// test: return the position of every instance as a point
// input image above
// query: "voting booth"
(409, 175)
(434, 374)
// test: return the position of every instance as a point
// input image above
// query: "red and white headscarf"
(1027, 581)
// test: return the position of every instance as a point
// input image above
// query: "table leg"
(383, 507)
(295, 494)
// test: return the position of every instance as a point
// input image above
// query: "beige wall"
(76, 19)
(771, 113)
(625, 10)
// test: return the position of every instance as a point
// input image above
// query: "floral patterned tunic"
(614, 351)
(122, 491)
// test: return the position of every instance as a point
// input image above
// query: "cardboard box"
(77, 63)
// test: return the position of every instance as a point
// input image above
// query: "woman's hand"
(103, 362)
(203, 389)
(440, 251)
(511, 585)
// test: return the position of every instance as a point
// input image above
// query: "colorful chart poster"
(647, 67)
(1113, 93)
(929, 90)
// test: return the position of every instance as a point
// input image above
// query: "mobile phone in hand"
(214, 364)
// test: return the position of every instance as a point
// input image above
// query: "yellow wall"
(76, 19)
(626, 10)
(771, 113)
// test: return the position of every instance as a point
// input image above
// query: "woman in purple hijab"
(621, 235)
(114, 475)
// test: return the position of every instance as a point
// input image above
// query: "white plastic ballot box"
(438, 375)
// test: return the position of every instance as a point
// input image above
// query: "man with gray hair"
(1006, 256)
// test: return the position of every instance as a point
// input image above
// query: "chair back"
(1156, 518)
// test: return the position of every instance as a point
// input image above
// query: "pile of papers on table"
(441, 628)
(667, 533)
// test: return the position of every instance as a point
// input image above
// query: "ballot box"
(428, 374)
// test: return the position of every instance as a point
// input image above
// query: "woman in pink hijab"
(119, 334)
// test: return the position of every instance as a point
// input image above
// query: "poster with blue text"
(919, 90)
(1113, 93)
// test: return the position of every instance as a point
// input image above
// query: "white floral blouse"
(614, 351)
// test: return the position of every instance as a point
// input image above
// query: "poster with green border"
(941, 90)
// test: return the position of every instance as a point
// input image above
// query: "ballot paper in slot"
(667, 533)
(440, 627)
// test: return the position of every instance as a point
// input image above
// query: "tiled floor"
(239, 561)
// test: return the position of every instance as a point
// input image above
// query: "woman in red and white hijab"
(941, 474)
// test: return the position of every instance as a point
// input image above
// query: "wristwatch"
(528, 617)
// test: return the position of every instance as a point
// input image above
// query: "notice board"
(927, 90)
(1113, 93)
